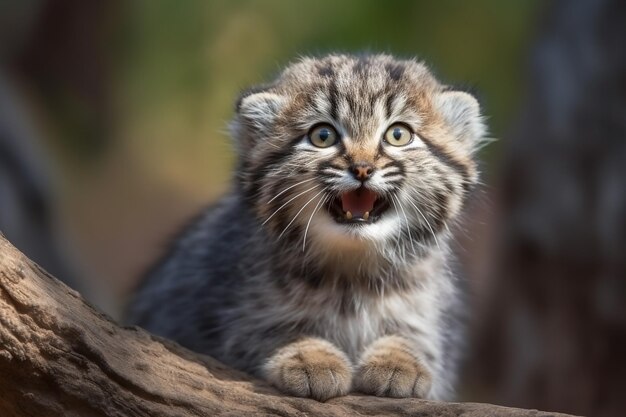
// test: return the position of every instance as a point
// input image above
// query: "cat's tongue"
(358, 202)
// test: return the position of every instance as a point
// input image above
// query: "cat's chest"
(355, 329)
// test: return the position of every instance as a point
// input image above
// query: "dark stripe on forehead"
(375, 97)
(395, 71)
(326, 70)
(333, 96)
(388, 105)
(361, 65)
(350, 99)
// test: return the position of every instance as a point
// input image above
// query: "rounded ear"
(461, 112)
(257, 111)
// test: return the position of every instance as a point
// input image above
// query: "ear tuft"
(461, 112)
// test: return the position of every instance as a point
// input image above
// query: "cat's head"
(357, 151)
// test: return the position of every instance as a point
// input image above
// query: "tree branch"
(60, 357)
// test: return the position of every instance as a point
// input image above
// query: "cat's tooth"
(366, 215)
(348, 215)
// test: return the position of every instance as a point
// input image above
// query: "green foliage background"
(178, 65)
(176, 68)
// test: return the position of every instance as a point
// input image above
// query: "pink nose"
(362, 171)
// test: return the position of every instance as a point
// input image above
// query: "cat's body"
(327, 266)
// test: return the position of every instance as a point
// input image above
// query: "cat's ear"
(256, 112)
(461, 112)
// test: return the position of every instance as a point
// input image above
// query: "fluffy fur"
(269, 282)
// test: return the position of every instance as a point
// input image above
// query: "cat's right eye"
(323, 136)
(398, 135)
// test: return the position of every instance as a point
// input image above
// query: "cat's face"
(345, 152)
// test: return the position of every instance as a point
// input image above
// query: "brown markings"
(362, 154)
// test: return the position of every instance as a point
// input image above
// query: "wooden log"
(60, 357)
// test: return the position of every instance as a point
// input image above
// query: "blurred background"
(113, 123)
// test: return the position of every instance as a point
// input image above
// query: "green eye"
(398, 135)
(323, 136)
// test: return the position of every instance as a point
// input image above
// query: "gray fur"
(243, 281)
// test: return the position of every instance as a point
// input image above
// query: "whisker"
(300, 211)
(287, 202)
(289, 188)
(398, 213)
(485, 142)
(406, 219)
(317, 206)
(427, 223)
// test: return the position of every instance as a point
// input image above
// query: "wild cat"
(326, 267)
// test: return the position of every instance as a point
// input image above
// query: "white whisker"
(317, 206)
(427, 223)
(287, 202)
(289, 188)
(408, 226)
(398, 236)
(298, 213)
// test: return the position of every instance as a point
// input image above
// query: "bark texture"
(60, 357)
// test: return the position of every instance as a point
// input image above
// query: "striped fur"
(268, 282)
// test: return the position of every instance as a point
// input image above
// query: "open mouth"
(360, 206)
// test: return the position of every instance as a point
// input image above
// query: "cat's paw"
(310, 368)
(389, 368)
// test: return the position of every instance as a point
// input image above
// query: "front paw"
(310, 368)
(389, 368)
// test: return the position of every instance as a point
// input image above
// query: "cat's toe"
(310, 368)
(389, 369)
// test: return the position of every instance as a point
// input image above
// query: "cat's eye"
(398, 135)
(323, 136)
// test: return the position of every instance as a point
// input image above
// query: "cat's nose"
(362, 171)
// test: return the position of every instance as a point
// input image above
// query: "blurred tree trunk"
(54, 76)
(554, 335)
(27, 212)
(66, 60)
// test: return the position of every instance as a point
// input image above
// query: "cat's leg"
(310, 367)
(393, 367)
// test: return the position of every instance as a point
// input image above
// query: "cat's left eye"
(398, 135)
